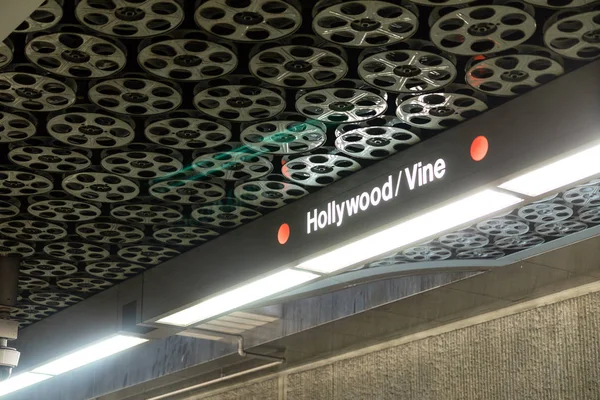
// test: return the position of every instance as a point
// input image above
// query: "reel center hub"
(441, 111)
(90, 130)
(482, 29)
(233, 166)
(50, 159)
(75, 56)
(592, 36)
(227, 216)
(130, 14)
(100, 188)
(29, 93)
(271, 194)
(341, 106)
(514, 76)
(407, 71)
(109, 233)
(365, 25)
(65, 210)
(283, 138)
(187, 60)
(298, 66)
(378, 142)
(239, 102)
(187, 134)
(135, 97)
(148, 214)
(321, 169)
(31, 231)
(141, 164)
(248, 18)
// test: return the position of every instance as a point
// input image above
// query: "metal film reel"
(466, 239)
(375, 143)
(302, 40)
(147, 254)
(248, 20)
(503, 226)
(329, 150)
(14, 127)
(283, 137)
(233, 147)
(482, 29)
(64, 210)
(101, 187)
(32, 230)
(49, 159)
(441, 3)
(116, 270)
(32, 312)
(439, 110)
(188, 188)
(560, 3)
(31, 92)
(187, 59)
(590, 215)
(44, 17)
(9, 208)
(545, 212)
(130, 19)
(147, 214)
(107, 231)
(6, 53)
(144, 148)
(12, 248)
(76, 251)
(353, 84)
(298, 67)
(239, 103)
(319, 170)
(46, 141)
(232, 166)
(560, 229)
(407, 71)
(575, 36)
(187, 133)
(583, 196)
(438, 12)
(268, 192)
(237, 80)
(392, 260)
(480, 253)
(47, 268)
(409, 44)
(184, 235)
(224, 215)
(21, 183)
(323, 4)
(135, 96)
(381, 121)
(521, 5)
(55, 299)
(83, 284)
(90, 130)
(141, 165)
(365, 23)
(512, 75)
(30, 284)
(427, 253)
(76, 55)
(518, 242)
(341, 105)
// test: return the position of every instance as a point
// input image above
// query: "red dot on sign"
(283, 234)
(479, 148)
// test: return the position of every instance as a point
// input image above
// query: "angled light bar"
(21, 381)
(249, 293)
(413, 230)
(557, 174)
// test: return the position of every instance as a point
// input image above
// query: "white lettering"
(352, 206)
(427, 173)
(439, 169)
(364, 201)
(322, 221)
(375, 196)
(411, 178)
(329, 213)
(333, 209)
(340, 212)
(387, 188)
(311, 221)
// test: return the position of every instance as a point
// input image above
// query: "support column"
(9, 282)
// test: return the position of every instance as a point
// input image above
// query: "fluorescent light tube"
(21, 381)
(557, 174)
(89, 354)
(249, 293)
(413, 230)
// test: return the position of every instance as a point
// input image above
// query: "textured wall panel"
(265, 390)
(313, 384)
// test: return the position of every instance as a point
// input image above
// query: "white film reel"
(47, 15)
(427, 252)
(381, 121)
(545, 212)
(188, 188)
(466, 239)
(225, 216)
(12, 248)
(14, 127)
(583, 196)
(575, 36)
(590, 215)
(560, 3)
(341, 105)
(144, 148)
(49, 159)
(30, 284)
(395, 259)
(46, 267)
(302, 40)
(283, 137)
(147, 254)
(9, 207)
(101, 187)
(273, 191)
(21, 183)
(375, 143)
(232, 166)
(147, 214)
(32, 312)
(183, 235)
(83, 284)
(31, 92)
(76, 251)
(107, 231)
(560, 229)
(480, 253)
(234, 147)
(319, 170)
(508, 225)
(187, 133)
(518, 242)
(90, 130)
(54, 299)
(64, 210)
(32, 230)
(141, 165)
(115, 270)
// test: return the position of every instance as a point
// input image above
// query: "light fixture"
(557, 174)
(89, 354)
(21, 381)
(446, 217)
(238, 297)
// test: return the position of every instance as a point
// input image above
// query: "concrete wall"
(549, 352)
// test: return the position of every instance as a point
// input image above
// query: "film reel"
(64, 210)
(438, 12)
(49, 159)
(103, 230)
(283, 137)
(319, 170)
(135, 96)
(239, 103)
(271, 192)
(141, 165)
(323, 4)
(31, 92)
(590, 215)
(184, 235)
(466, 239)
(298, 67)
(144, 148)
(46, 141)
(232, 166)
(341, 105)
(392, 260)
(302, 40)
(365, 23)
(480, 253)
(560, 3)
(41, 266)
(427, 253)
(145, 254)
(6, 53)
(115, 270)
(44, 17)
(226, 216)
(328, 150)
(187, 133)
(508, 225)
(12, 248)
(518, 242)
(482, 29)
(76, 55)
(237, 80)
(90, 130)
(32, 312)
(375, 143)
(353, 84)
(248, 20)
(560, 229)
(130, 19)
(9, 208)
(188, 188)
(32, 230)
(381, 121)
(147, 214)
(545, 212)
(101, 187)
(439, 110)
(76, 251)
(83, 284)
(575, 36)
(21, 183)
(233, 147)
(583, 196)
(407, 71)
(14, 128)
(55, 299)
(30, 284)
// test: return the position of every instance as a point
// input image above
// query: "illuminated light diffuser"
(21, 381)
(557, 174)
(89, 354)
(249, 293)
(411, 231)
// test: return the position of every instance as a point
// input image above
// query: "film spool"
(375, 143)
(32, 312)
(76, 55)
(187, 133)
(47, 15)
(427, 253)
(134, 20)
(301, 40)
(21, 183)
(481, 253)
(188, 188)
(328, 150)
(46, 141)
(438, 12)
(409, 44)
(187, 59)
(233, 147)
(54, 299)
(144, 148)
(466, 239)
(147, 254)
(6, 53)
(12, 248)
(518, 242)
(381, 121)
(76, 251)
(183, 235)
(560, 4)
(583, 196)
(575, 36)
(49, 159)
(83, 284)
(545, 212)
(560, 229)
(147, 214)
(225, 216)
(395, 259)
(352, 84)
(248, 21)
(31, 92)
(298, 67)
(508, 225)
(232, 166)
(14, 127)
(32, 230)
(589, 215)
(104, 230)
(482, 29)
(237, 80)
(283, 137)
(239, 103)
(114, 270)
(31, 284)
(101, 187)
(439, 110)
(319, 170)
(341, 105)
(407, 71)
(9, 208)
(64, 210)
(521, 5)
(365, 23)
(44, 267)
(323, 4)
(273, 191)
(141, 165)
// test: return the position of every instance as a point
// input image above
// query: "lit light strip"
(21, 381)
(238, 297)
(557, 174)
(413, 230)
